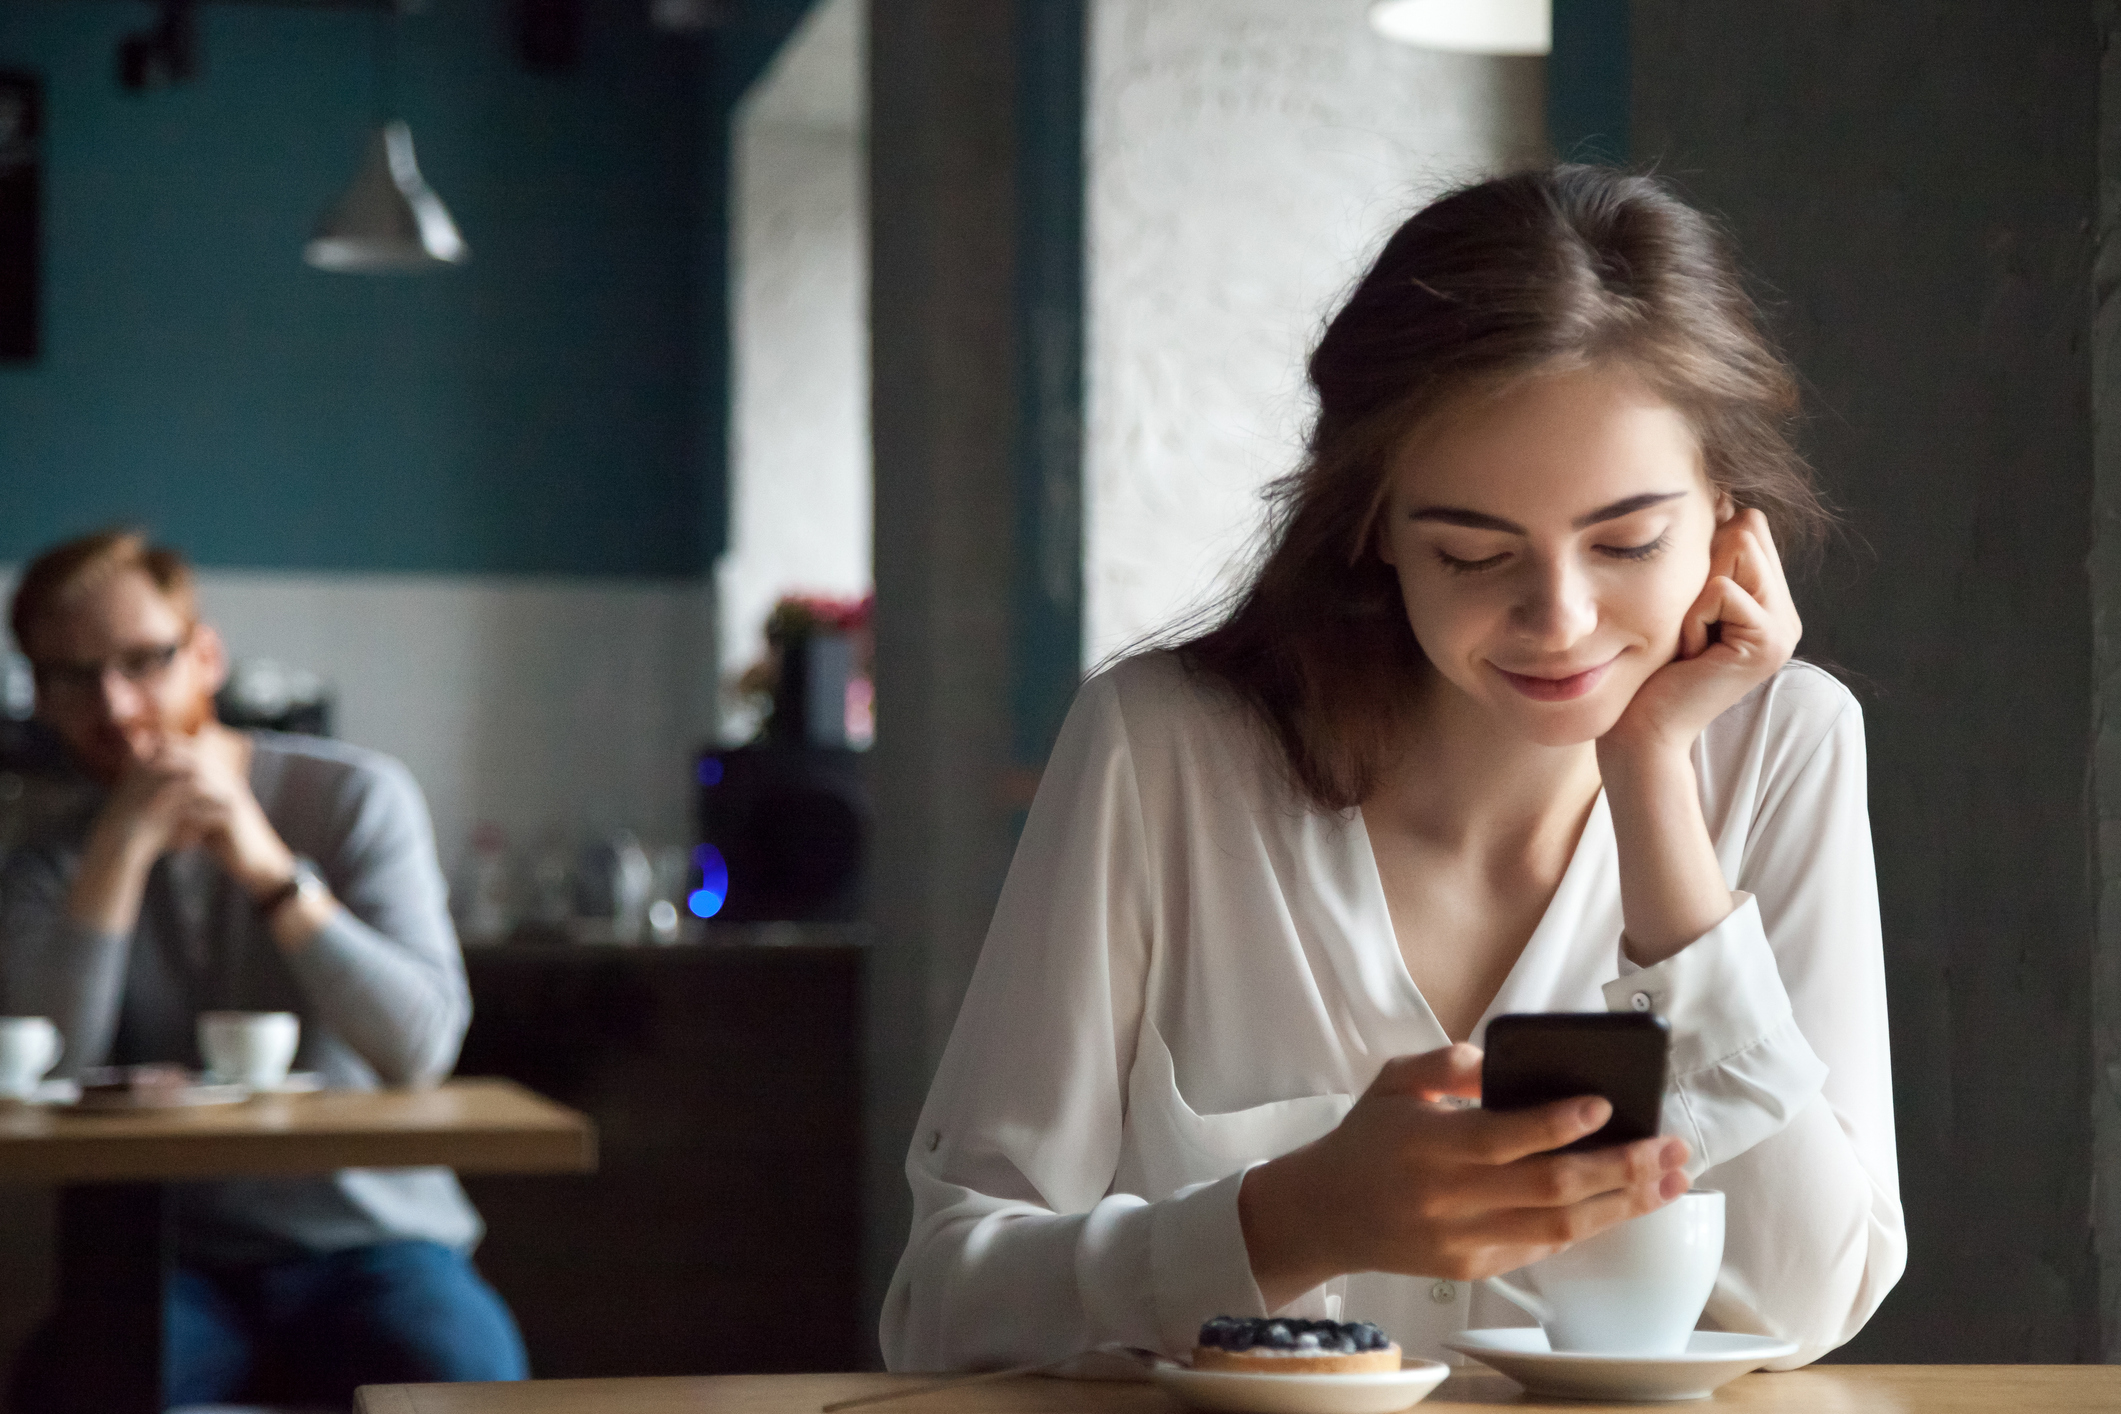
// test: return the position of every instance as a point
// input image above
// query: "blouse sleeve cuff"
(1198, 1262)
(1740, 1067)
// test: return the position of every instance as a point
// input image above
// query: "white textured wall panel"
(799, 492)
(539, 704)
(1246, 157)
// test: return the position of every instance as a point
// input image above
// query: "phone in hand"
(1535, 1058)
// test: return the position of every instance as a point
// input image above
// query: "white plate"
(298, 1082)
(1238, 1392)
(186, 1097)
(1712, 1358)
(48, 1092)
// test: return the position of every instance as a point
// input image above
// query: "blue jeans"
(308, 1331)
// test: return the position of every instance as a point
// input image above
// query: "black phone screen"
(1534, 1058)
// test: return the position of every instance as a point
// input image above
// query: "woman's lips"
(1561, 689)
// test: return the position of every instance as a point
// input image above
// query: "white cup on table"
(29, 1048)
(249, 1048)
(1634, 1289)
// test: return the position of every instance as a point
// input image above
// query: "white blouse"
(1191, 971)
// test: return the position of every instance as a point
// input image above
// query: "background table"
(1819, 1389)
(473, 1126)
(114, 1247)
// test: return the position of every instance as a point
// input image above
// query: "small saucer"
(298, 1082)
(1711, 1359)
(174, 1097)
(1239, 1392)
(48, 1092)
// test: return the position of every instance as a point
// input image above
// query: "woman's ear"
(1383, 544)
(1725, 507)
(1374, 536)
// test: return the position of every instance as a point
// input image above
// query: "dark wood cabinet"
(722, 1231)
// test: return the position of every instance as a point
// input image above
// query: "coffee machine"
(785, 820)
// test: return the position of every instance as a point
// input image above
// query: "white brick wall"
(1246, 156)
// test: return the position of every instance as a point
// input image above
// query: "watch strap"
(304, 879)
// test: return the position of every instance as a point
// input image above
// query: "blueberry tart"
(1281, 1345)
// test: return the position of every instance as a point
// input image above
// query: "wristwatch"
(305, 882)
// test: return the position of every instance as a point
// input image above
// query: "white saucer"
(48, 1092)
(1237, 1392)
(1712, 1358)
(178, 1097)
(298, 1082)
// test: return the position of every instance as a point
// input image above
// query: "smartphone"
(1534, 1058)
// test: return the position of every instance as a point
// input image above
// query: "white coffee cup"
(1634, 1289)
(252, 1048)
(29, 1048)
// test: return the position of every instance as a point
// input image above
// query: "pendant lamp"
(1468, 26)
(389, 221)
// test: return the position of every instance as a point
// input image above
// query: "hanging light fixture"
(389, 221)
(1468, 26)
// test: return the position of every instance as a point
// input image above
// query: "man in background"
(223, 870)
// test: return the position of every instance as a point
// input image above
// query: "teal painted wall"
(553, 407)
(1588, 81)
(1046, 597)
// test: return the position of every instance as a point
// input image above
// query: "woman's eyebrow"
(1625, 507)
(1481, 520)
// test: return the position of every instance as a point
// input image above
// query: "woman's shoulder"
(1158, 694)
(1174, 718)
(1780, 725)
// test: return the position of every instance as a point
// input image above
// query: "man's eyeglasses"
(141, 667)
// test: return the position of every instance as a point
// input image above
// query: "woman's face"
(1548, 541)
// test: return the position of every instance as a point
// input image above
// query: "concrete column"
(2106, 624)
(1915, 187)
(943, 199)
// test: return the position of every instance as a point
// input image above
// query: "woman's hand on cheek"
(1737, 633)
(1411, 1184)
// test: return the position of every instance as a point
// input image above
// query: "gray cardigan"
(380, 990)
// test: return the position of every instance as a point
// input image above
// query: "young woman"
(1505, 722)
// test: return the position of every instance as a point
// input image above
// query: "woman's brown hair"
(1554, 268)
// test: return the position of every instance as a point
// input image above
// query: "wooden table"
(1820, 1389)
(114, 1247)
(473, 1126)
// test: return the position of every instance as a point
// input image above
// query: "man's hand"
(232, 824)
(155, 807)
(189, 791)
(1410, 1183)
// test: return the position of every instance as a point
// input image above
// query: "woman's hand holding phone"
(1412, 1183)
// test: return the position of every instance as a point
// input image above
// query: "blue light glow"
(706, 900)
(710, 773)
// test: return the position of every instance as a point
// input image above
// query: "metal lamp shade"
(1468, 26)
(389, 220)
